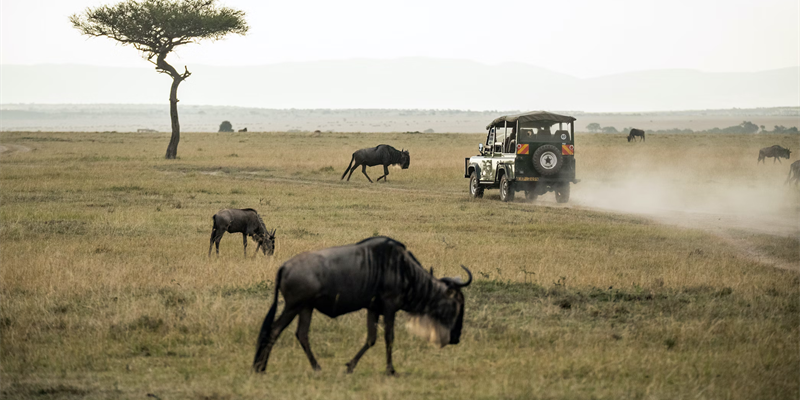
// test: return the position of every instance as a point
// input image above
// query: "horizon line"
(500, 64)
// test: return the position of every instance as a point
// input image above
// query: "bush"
(225, 126)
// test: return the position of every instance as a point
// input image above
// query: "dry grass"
(107, 291)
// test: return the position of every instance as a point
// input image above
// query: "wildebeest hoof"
(390, 372)
(317, 368)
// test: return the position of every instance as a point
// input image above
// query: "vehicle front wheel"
(506, 190)
(475, 189)
(562, 192)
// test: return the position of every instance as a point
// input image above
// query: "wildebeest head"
(443, 321)
(405, 159)
(629, 137)
(454, 286)
(266, 242)
(787, 154)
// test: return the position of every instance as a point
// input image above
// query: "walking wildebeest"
(634, 133)
(794, 169)
(776, 152)
(378, 274)
(248, 223)
(382, 154)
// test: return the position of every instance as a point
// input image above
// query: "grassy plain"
(107, 291)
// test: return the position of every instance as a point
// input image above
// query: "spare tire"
(547, 160)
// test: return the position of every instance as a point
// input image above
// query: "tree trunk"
(177, 77)
(172, 149)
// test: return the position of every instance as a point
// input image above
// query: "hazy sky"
(584, 38)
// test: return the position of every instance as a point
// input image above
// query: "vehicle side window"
(510, 144)
(499, 140)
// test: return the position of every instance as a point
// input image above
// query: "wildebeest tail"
(260, 362)
(349, 166)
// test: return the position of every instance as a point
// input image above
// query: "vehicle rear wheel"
(506, 190)
(547, 160)
(475, 189)
(562, 192)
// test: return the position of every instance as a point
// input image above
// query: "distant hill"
(407, 83)
(132, 117)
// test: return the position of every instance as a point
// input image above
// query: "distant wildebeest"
(635, 133)
(248, 223)
(378, 274)
(243, 130)
(382, 154)
(776, 152)
(794, 173)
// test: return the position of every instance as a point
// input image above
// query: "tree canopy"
(593, 127)
(156, 27)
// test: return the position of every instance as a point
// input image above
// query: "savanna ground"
(107, 291)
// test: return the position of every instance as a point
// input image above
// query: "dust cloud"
(742, 196)
(757, 208)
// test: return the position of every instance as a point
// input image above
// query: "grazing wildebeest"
(382, 154)
(634, 133)
(776, 152)
(248, 223)
(378, 274)
(794, 169)
(243, 130)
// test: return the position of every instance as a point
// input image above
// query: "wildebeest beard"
(425, 327)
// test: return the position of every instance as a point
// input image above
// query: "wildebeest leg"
(288, 314)
(303, 324)
(388, 327)
(211, 243)
(220, 232)
(352, 170)
(372, 336)
(364, 171)
(385, 173)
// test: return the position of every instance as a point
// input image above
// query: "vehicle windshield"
(545, 132)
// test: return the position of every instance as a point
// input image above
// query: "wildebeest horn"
(455, 282)
(470, 278)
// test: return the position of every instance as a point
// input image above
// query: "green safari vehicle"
(532, 152)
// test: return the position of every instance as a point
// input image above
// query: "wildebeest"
(776, 152)
(794, 169)
(248, 223)
(634, 133)
(378, 274)
(243, 130)
(382, 154)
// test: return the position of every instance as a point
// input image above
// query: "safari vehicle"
(531, 152)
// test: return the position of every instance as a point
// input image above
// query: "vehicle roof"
(532, 116)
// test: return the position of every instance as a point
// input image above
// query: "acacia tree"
(155, 28)
(593, 127)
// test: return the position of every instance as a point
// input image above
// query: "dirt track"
(13, 148)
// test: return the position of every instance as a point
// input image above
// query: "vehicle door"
(487, 164)
(504, 149)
